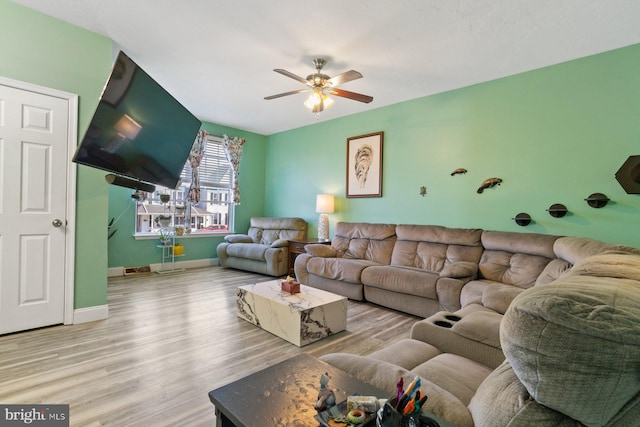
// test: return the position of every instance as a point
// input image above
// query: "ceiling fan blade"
(291, 75)
(345, 77)
(351, 95)
(293, 92)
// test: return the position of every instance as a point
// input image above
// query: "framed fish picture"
(364, 165)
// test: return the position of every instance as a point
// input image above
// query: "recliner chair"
(265, 247)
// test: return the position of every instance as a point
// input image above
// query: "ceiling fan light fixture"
(328, 102)
(322, 86)
(317, 109)
(314, 99)
(318, 101)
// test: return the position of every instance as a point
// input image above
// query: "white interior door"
(34, 140)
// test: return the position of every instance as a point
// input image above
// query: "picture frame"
(364, 165)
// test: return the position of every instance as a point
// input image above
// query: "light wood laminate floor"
(169, 340)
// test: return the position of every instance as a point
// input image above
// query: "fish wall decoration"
(489, 183)
(458, 171)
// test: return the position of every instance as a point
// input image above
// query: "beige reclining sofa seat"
(265, 247)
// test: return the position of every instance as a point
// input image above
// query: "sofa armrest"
(460, 269)
(300, 268)
(238, 238)
(277, 260)
(280, 243)
(320, 250)
(222, 253)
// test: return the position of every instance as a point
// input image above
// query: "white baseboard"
(196, 263)
(115, 271)
(90, 314)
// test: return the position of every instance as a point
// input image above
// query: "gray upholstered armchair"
(265, 247)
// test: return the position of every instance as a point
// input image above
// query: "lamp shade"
(324, 203)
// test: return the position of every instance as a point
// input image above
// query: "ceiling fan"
(322, 86)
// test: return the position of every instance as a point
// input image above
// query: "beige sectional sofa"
(265, 247)
(423, 269)
(520, 328)
(571, 355)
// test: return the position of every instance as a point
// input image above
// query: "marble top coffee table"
(301, 318)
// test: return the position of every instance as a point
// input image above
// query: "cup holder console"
(443, 324)
(448, 323)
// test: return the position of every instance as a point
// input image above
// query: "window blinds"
(215, 169)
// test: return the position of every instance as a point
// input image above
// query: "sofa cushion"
(238, 238)
(280, 243)
(496, 296)
(460, 269)
(583, 331)
(346, 270)
(358, 240)
(407, 353)
(405, 280)
(499, 296)
(553, 271)
(432, 248)
(247, 250)
(385, 375)
(266, 230)
(515, 258)
(472, 292)
(365, 230)
(527, 243)
(379, 373)
(458, 375)
(516, 269)
(320, 250)
(378, 251)
(573, 249)
(438, 233)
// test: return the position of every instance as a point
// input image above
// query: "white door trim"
(72, 142)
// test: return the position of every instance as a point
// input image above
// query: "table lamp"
(324, 206)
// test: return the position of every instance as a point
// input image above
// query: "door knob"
(56, 223)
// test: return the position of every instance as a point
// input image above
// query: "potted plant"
(165, 236)
(163, 220)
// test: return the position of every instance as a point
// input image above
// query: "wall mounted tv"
(139, 131)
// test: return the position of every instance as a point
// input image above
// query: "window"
(213, 214)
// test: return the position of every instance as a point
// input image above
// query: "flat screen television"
(139, 131)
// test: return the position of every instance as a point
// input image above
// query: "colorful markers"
(411, 400)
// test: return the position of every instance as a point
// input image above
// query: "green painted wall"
(42, 50)
(126, 251)
(554, 135)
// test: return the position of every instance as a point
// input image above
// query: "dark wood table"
(296, 247)
(283, 394)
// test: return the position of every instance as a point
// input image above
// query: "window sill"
(152, 236)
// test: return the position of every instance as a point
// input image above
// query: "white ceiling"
(217, 56)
